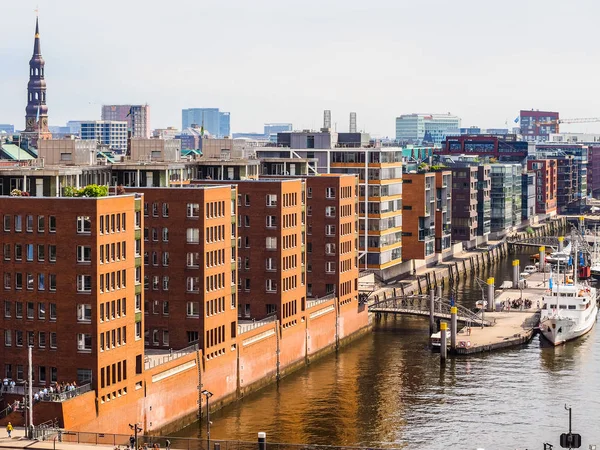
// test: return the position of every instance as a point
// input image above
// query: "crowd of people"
(517, 303)
(144, 446)
(46, 393)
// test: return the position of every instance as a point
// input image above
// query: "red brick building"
(546, 172)
(71, 291)
(418, 225)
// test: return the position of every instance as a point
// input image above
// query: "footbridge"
(546, 241)
(419, 305)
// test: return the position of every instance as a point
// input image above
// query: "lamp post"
(208, 395)
(136, 428)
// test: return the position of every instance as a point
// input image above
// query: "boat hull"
(557, 330)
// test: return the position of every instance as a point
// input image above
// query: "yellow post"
(443, 342)
(444, 325)
(561, 243)
(491, 295)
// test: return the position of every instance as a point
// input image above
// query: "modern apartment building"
(72, 291)
(593, 185)
(443, 212)
(379, 170)
(418, 128)
(546, 184)
(190, 272)
(464, 203)
(214, 122)
(136, 116)
(274, 128)
(419, 208)
(484, 202)
(106, 132)
(505, 194)
(538, 125)
(528, 195)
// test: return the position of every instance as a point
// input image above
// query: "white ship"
(569, 312)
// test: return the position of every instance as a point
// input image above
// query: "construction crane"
(559, 121)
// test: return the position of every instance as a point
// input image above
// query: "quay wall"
(169, 397)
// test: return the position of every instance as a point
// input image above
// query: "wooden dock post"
(443, 343)
(431, 312)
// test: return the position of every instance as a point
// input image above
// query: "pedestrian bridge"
(418, 305)
(547, 241)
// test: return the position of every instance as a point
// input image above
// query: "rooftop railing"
(245, 327)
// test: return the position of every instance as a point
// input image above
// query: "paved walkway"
(18, 441)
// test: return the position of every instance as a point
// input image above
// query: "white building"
(414, 128)
(574, 138)
(107, 132)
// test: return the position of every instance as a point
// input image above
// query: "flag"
(130, 112)
(37, 117)
(517, 119)
(202, 131)
(550, 283)
(451, 300)
(570, 260)
(581, 260)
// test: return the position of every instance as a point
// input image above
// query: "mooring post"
(443, 342)
(453, 327)
(491, 300)
(543, 258)
(262, 440)
(439, 291)
(515, 273)
(561, 243)
(431, 311)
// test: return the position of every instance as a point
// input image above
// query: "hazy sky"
(287, 60)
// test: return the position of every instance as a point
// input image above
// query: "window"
(138, 330)
(84, 253)
(193, 210)
(329, 230)
(271, 221)
(193, 259)
(193, 309)
(41, 282)
(52, 224)
(18, 224)
(165, 308)
(53, 340)
(52, 281)
(271, 243)
(41, 252)
(84, 313)
(330, 211)
(52, 253)
(29, 252)
(165, 337)
(30, 310)
(165, 283)
(155, 337)
(270, 264)
(29, 223)
(19, 338)
(165, 259)
(7, 222)
(155, 282)
(7, 281)
(330, 268)
(247, 200)
(193, 284)
(84, 283)
(271, 286)
(7, 308)
(8, 338)
(165, 210)
(155, 209)
(272, 200)
(84, 342)
(41, 339)
(7, 252)
(165, 235)
(84, 225)
(192, 336)
(154, 234)
(18, 281)
(193, 236)
(330, 249)
(84, 376)
(330, 192)
(18, 252)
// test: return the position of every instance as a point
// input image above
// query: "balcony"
(138, 261)
(138, 234)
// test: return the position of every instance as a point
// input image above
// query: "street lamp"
(136, 428)
(208, 395)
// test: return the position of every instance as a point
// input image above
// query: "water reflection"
(389, 390)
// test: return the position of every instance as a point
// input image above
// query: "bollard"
(515, 273)
(453, 326)
(443, 343)
(431, 311)
(439, 291)
(262, 440)
(561, 243)
(542, 259)
(491, 295)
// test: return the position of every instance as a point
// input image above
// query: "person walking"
(132, 442)
(9, 429)
(168, 444)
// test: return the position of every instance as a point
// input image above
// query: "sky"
(288, 60)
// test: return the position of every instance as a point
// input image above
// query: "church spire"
(36, 113)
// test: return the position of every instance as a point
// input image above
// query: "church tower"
(36, 116)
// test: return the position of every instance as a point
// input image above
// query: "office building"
(70, 281)
(112, 134)
(443, 212)
(505, 195)
(503, 148)
(136, 116)
(593, 184)
(274, 128)
(528, 199)
(538, 125)
(433, 128)
(7, 128)
(214, 122)
(419, 207)
(546, 182)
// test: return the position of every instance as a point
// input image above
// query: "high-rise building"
(106, 132)
(419, 128)
(214, 122)
(36, 113)
(538, 125)
(506, 188)
(274, 128)
(136, 116)
(546, 179)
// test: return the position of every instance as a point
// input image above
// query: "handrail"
(245, 327)
(157, 360)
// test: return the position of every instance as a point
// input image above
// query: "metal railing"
(66, 395)
(157, 360)
(245, 327)
(182, 443)
(310, 302)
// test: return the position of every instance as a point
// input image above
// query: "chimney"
(327, 119)
(352, 122)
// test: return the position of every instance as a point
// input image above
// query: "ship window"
(559, 330)
(572, 306)
(562, 306)
(545, 306)
(552, 306)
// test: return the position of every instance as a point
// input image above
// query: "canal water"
(388, 390)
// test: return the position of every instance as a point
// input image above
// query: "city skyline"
(478, 71)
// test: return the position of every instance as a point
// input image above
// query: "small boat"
(436, 339)
(530, 269)
(480, 304)
(535, 257)
(595, 271)
(558, 258)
